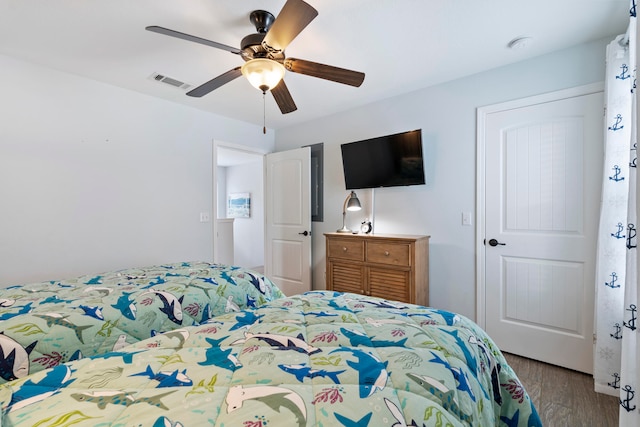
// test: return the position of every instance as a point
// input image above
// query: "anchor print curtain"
(617, 348)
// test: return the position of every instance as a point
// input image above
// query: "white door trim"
(481, 114)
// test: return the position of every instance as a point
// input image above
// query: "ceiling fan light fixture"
(263, 74)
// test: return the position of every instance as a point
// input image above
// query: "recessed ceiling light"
(519, 43)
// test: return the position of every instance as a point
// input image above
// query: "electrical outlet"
(204, 217)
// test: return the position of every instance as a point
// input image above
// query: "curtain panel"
(616, 349)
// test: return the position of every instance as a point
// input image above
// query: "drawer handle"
(344, 249)
(386, 253)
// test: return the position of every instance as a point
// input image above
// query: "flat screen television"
(386, 161)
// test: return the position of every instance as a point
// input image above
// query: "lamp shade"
(351, 203)
(354, 203)
(263, 74)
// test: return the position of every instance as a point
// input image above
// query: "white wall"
(447, 116)
(248, 233)
(221, 185)
(93, 177)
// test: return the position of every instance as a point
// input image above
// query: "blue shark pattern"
(302, 371)
(258, 283)
(92, 311)
(511, 421)
(166, 422)
(458, 375)
(463, 382)
(321, 314)
(167, 378)
(251, 302)
(450, 318)
(347, 422)
(213, 281)
(94, 281)
(207, 313)
(279, 364)
(62, 285)
(97, 313)
(471, 360)
(360, 339)
(127, 357)
(333, 304)
(372, 371)
(53, 299)
(23, 310)
(158, 281)
(171, 305)
(493, 367)
(32, 392)
(226, 276)
(281, 342)
(126, 306)
(220, 358)
(245, 320)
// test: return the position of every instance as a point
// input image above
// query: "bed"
(316, 359)
(48, 323)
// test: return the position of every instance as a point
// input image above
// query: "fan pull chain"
(264, 113)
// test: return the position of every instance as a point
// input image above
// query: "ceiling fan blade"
(188, 37)
(293, 18)
(215, 83)
(283, 98)
(327, 72)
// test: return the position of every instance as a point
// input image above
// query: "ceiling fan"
(263, 53)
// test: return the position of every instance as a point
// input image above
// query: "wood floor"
(564, 398)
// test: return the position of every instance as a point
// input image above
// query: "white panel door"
(543, 165)
(288, 220)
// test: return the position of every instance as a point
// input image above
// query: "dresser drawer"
(393, 267)
(346, 249)
(388, 253)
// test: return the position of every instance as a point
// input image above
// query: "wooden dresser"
(394, 267)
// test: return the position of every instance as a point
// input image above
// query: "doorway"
(238, 171)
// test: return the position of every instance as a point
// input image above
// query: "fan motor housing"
(251, 45)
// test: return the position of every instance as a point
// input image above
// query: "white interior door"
(542, 172)
(288, 219)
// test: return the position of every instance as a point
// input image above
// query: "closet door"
(543, 163)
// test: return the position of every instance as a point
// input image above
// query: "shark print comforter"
(317, 359)
(45, 324)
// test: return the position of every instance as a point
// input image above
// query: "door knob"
(305, 233)
(494, 242)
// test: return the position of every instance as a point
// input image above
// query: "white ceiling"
(401, 45)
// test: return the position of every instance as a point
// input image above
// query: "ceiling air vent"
(170, 81)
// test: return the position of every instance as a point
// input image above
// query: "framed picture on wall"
(239, 205)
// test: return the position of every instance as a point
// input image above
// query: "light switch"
(466, 218)
(204, 216)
